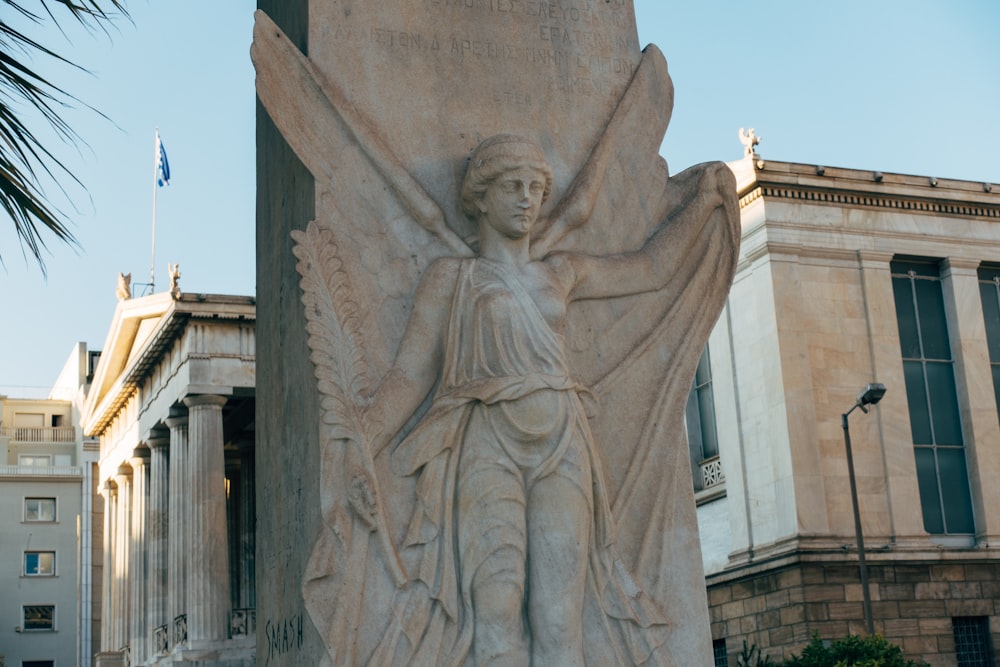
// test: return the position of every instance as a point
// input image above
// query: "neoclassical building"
(172, 402)
(848, 277)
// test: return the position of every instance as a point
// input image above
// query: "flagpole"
(156, 166)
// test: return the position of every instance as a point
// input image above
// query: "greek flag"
(162, 166)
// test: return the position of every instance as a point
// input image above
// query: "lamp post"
(870, 395)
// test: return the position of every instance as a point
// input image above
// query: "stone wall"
(912, 604)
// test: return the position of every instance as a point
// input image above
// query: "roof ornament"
(175, 276)
(750, 141)
(124, 290)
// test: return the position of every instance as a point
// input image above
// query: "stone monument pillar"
(468, 241)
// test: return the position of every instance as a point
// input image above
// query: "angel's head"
(511, 162)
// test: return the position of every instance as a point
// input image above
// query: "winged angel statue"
(505, 482)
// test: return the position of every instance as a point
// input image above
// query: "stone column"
(156, 541)
(248, 523)
(139, 625)
(208, 553)
(177, 525)
(891, 418)
(974, 382)
(110, 493)
(122, 570)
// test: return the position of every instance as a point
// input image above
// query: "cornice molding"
(908, 204)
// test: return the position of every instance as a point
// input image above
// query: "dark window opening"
(972, 641)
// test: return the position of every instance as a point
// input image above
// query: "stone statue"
(124, 290)
(510, 487)
(750, 141)
(174, 270)
(503, 476)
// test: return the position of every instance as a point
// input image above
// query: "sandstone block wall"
(912, 605)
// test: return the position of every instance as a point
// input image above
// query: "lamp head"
(870, 395)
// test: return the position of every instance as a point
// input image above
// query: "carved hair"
(496, 156)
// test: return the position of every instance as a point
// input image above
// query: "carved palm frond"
(335, 340)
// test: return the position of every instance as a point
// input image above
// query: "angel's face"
(512, 201)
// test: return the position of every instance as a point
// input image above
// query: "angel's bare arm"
(420, 355)
(650, 267)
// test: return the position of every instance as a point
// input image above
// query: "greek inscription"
(283, 636)
(403, 39)
(512, 99)
(546, 57)
(462, 47)
(582, 85)
(590, 39)
(591, 12)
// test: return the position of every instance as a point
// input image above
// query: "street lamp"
(870, 395)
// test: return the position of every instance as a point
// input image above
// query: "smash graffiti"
(283, 636)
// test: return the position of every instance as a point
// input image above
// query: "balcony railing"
(243, 622)
(180, 629)
(39, 433)
(161, 640)
(711, 473)
(40, 471)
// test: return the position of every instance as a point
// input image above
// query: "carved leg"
(559, 525)
(491, 543)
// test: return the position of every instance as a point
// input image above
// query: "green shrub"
(852, 651)
(751, 656)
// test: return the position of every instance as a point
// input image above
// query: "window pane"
(955, 491)
(39, 617)
(918, 266)
(944, 404)
(30, 563)
(907, 318)
(930, 500)
(916, 400)
(996, 384)
(39, 509)
(39, 563)
(709, 439)
(933, 326)
(991, 313)
(692, 420)
(704, 372)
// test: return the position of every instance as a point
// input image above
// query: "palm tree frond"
(23, 91)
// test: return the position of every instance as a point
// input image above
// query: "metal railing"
(161, 640)
(40, 471)
(180, 629)
(243, 622)
(39, 433)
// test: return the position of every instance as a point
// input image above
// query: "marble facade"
(172, 402)
(811, 319)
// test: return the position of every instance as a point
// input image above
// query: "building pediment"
(141, 331)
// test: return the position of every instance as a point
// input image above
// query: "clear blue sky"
(906, 86)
